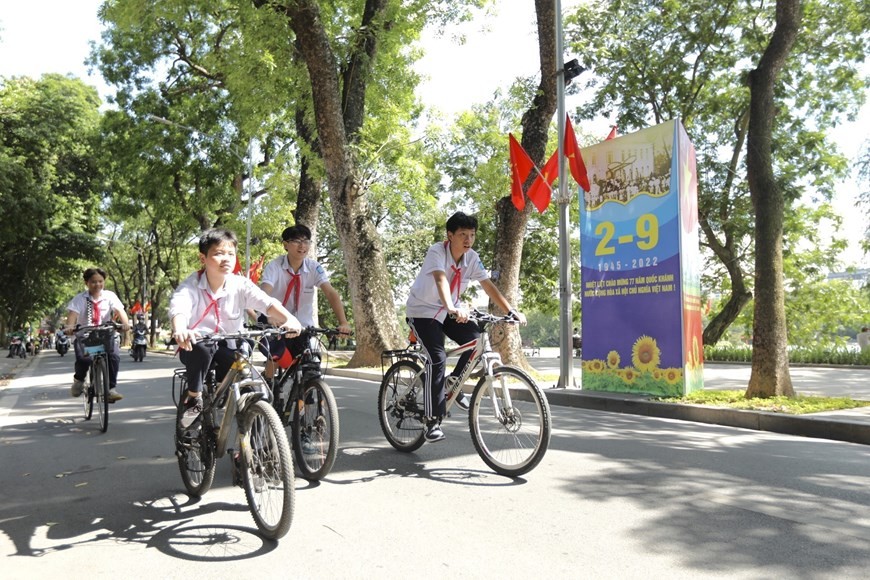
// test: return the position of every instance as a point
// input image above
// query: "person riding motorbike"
(61, 342)
(140, 338)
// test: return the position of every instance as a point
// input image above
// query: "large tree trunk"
(371, 293)
(726, 250)
(770, 374)
(511, 224)
(308, 197)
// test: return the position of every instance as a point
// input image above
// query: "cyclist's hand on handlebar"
(460, 314)
(519, 316)
(291, 327)
(185, 338)
(344, 329)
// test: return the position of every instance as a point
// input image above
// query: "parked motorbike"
(16, 348)
(61, 344)
(140, 344)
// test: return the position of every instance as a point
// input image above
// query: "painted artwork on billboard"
(634, 261)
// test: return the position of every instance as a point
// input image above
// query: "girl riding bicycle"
(90, 308)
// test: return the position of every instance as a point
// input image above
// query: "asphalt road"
(617, 496)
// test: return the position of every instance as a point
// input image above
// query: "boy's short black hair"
(461, 221)
(89, 273)
(216, 236)
(296, 232)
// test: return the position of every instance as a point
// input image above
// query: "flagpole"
(566, 355)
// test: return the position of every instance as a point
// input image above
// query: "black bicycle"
(261, 460)
(98, 341)
(306, 404)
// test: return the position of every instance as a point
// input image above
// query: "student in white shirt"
(433, 310)
(214, 300)
(90, 308)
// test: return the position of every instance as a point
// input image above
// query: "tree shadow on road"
(726, 499)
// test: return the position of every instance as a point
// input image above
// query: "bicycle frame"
(482, 354)
(231, 388)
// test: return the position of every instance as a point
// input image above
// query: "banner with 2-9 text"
(640, 260)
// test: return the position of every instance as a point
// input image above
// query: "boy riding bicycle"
(215, 300)
(434, 311)
(292, 279)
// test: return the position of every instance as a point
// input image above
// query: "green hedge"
(809, 355)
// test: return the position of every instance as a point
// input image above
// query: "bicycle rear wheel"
(509, 421)
(268, 475)
(400, 406)
(100, 382)
(315, 430)
(195, 452)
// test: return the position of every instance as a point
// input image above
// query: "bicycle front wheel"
(88, 397)
(509, 420)
(268, 475)
(315, 430)
(400, 406)
(100, 374)
(195, 452)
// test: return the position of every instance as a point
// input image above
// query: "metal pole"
(250, 195)
(566, 355)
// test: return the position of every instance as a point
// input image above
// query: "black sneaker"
(434, 433)
(463, 401)
(192, 411)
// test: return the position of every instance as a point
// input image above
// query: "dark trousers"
(199, 360)
(84, 362)
(431, 335)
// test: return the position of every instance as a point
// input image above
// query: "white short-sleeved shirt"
(277, 274)
(424, 302)
(107, 303)
(223, 311)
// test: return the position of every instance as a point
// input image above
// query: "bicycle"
(97, 341)
(309, 409)
(509, 416)
(262, 464)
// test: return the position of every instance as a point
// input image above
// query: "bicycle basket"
(97, 341)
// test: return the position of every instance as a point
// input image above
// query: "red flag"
(256, 269)
(610, 136)
(540, 192)
(238, 266)
(136, 308)
(575, 159)
(521, 165)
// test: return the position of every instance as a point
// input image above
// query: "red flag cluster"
(540, 192)
(137, 308)
(256, 269)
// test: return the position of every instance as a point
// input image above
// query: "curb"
(803, 426)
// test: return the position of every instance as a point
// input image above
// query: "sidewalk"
(852, 425)
(11, 366)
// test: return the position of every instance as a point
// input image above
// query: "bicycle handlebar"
(108, 325)
(241, 334)
(307, 330)
(480, 316)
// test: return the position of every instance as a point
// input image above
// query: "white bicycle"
(509, 417)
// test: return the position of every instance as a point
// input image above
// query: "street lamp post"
(247, 161)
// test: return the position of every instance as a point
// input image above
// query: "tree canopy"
(50, 191)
